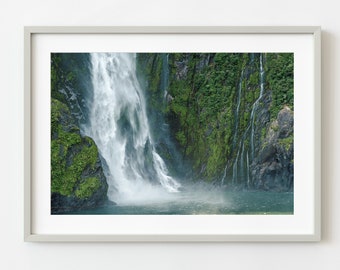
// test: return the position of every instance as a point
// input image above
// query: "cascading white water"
(235, 171)
(252, 115)
(236, 131)
(261, 75)
(119, 125)
(165, 76)
(240, 160)
(73, 100)
(248, 174)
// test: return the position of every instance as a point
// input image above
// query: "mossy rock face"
(223, 110)
(77, 178)
(274, 167)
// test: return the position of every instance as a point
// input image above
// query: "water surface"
(205, 203)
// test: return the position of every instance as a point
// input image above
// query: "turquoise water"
(205, 203)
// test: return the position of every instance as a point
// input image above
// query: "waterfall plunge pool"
(200, 202)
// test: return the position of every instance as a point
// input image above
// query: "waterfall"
(235, 172)
(239, 94)
(248, 174)
(240, 166)
(255, 106)
(261, 75)
(165, 76)
(118, 123)
(238, 108)
(74, 101)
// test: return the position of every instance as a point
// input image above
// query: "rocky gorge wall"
(77, 178)
(230, 115)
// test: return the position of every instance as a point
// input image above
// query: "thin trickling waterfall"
(239, 95)
(74, 101)
(119, 125)
(255, 106)
(165, 76)
(240, 167)
(248, 173)
(235, 169)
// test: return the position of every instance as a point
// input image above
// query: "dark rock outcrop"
(273, 169)
(77, 178)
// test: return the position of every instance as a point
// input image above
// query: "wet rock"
(77, 178)
(273, 169)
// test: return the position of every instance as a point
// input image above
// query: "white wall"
(15, 254)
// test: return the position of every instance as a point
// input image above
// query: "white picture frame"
(32, 108)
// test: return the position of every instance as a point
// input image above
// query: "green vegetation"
(280, 80)
(57, 77)
(200, 106)
(205, 94)
(204, 105)
(286, 142)
(73, 157)
(68, 146)
(149, 66)
(86, 189)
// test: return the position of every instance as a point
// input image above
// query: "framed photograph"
(172, 133)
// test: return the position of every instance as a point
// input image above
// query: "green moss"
(181, 138)
(286, 142)
(204, 104)
(254, 79)
(275, 128)
(87, 188)
(82, 153)
(213, 161)
(280, 79)
(149, 67)
(56, 108)
(205, 90)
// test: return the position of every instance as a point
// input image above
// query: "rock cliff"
(230, 115)
(273, 169)
(77, 178)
